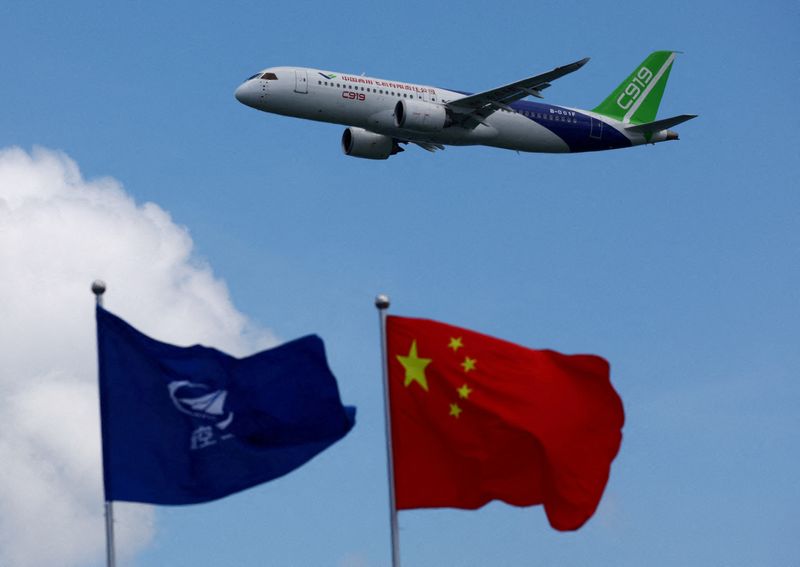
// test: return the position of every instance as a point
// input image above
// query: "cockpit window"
(253, 77)
(269, 77)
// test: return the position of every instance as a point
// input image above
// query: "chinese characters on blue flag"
(183, 425)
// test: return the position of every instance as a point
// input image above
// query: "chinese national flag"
(475, 419)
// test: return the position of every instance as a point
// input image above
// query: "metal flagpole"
(382, 303)
(98, 289)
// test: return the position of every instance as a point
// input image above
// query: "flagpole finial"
(382, 301)
(98, 287)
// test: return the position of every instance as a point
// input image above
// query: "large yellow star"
(415, 367)
(455, 343)
(455, 411)
(468, 364)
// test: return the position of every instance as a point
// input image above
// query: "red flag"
(475, 418)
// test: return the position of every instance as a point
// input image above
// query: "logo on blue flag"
(184, 425)
(191, 399)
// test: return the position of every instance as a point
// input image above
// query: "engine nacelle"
(358, 142)
(420, 116)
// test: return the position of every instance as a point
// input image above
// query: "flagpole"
(98, 289)
(382, 303)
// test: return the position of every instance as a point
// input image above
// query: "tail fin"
(636, 99)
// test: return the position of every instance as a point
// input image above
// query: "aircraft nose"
(246, 93)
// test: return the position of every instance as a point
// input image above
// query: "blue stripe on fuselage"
(580, 136)
(575, 128)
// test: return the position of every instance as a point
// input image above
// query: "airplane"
(381, 115)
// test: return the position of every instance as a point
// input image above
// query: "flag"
(475, 419)
(189, 425)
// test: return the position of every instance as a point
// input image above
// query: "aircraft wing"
(487, 102)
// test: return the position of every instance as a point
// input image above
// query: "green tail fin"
(636, 99)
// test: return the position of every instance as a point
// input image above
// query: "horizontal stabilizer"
(658, 125)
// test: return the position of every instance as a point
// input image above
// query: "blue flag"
(189, 425)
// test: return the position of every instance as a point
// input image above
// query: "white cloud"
(58, 232)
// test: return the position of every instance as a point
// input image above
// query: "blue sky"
(678, 263)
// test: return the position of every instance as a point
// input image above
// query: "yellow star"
(415, 367)
(455, 343)
(468, 364)
(455, 411)
(464, 392)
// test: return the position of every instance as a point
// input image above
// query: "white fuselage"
(369, 103)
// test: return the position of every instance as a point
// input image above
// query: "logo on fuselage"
(329, 77)
(354, 95)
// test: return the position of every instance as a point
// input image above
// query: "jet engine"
(358, 142)
(420, 116)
